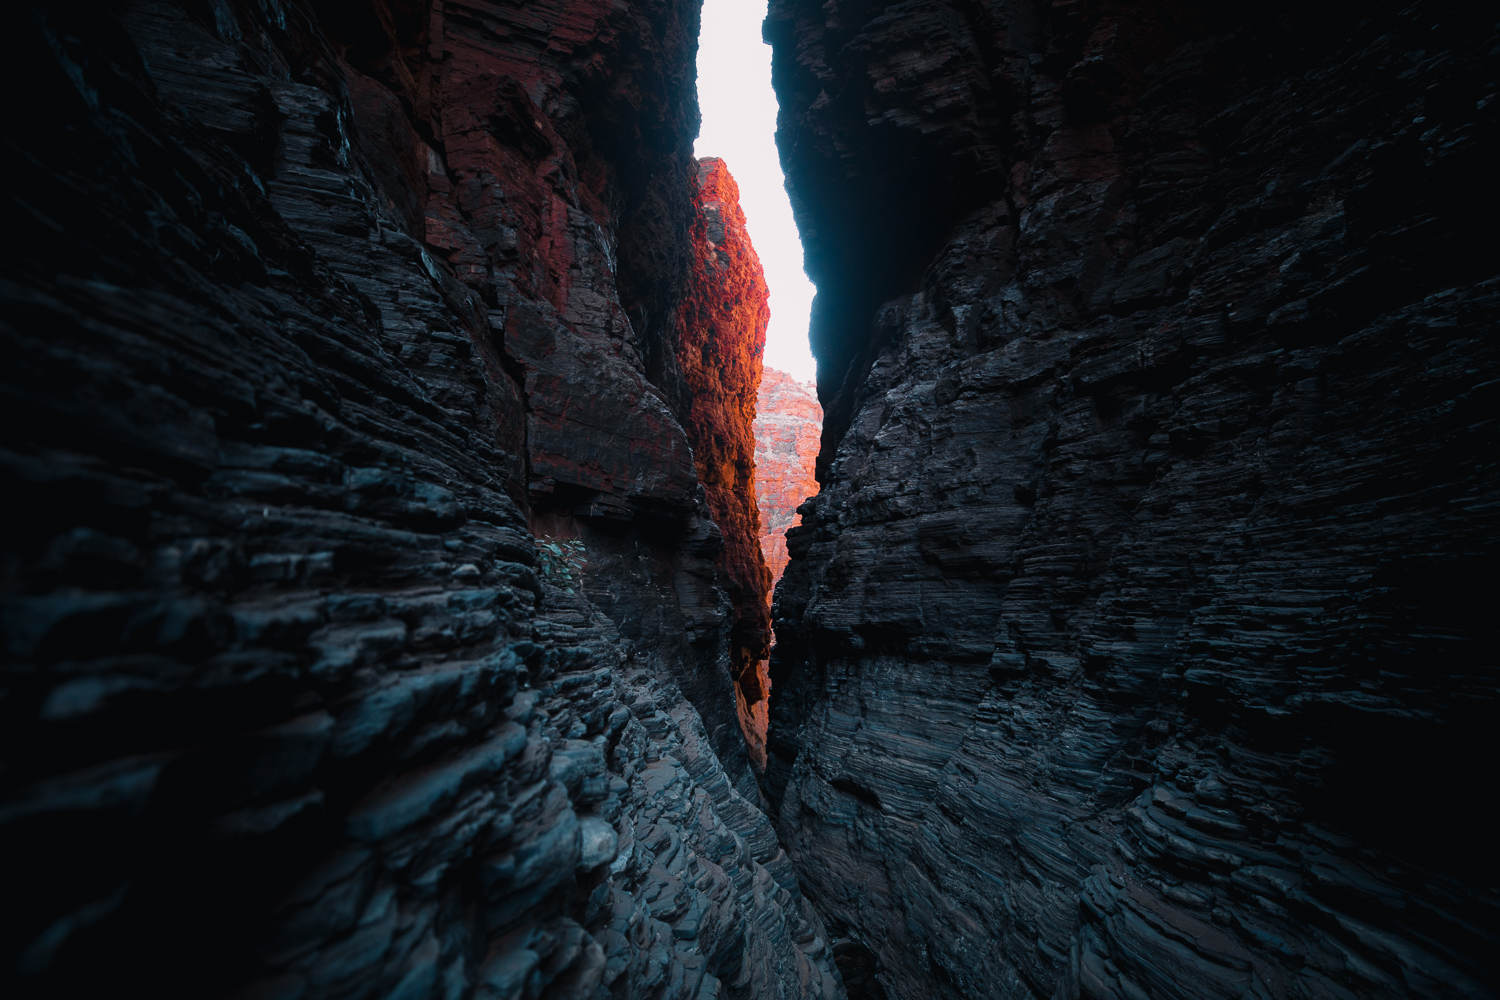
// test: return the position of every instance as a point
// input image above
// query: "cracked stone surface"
(364, 628)
(1139, 641)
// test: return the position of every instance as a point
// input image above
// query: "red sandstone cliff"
(722, 336)
(788, 423)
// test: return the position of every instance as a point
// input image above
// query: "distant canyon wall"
(1140, 641)
(788, 426)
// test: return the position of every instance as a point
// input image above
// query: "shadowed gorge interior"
(401, 504)
(1100, 670)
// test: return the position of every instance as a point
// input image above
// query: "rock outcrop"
(1139, 641)
(788, 423)
(721, 339)
(314, 315)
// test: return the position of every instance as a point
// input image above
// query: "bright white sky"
(739, 126)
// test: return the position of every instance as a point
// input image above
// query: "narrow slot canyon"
(450, 559)
(788, 427)
(738, 107)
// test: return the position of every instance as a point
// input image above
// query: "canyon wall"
(787, 422)
(722, 337)
(788, 425)
(1141, 640)
(367, 624)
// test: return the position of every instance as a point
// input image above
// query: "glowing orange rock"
(788, 424)
(722, 335)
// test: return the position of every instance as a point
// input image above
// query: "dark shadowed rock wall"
(1141, 642)
(314, 316)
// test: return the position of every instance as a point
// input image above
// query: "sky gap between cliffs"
(739, 126)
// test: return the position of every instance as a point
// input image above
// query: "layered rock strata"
(788, 424)
(1139, 641)
(311, 316)
(721, 339)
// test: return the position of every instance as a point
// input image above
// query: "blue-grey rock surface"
(359, 599)
(1141, 641)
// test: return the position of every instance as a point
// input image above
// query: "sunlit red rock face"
(788, 421)
(723, 321)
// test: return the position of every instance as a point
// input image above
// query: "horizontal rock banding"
(1124, 652)
(366, 636)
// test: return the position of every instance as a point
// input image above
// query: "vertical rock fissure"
(788, 424)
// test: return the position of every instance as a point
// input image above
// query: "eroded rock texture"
(720, 342)
(788, 424)
(312, 316)
(1141, 640)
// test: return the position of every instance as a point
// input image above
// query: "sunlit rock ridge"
(721, 341)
